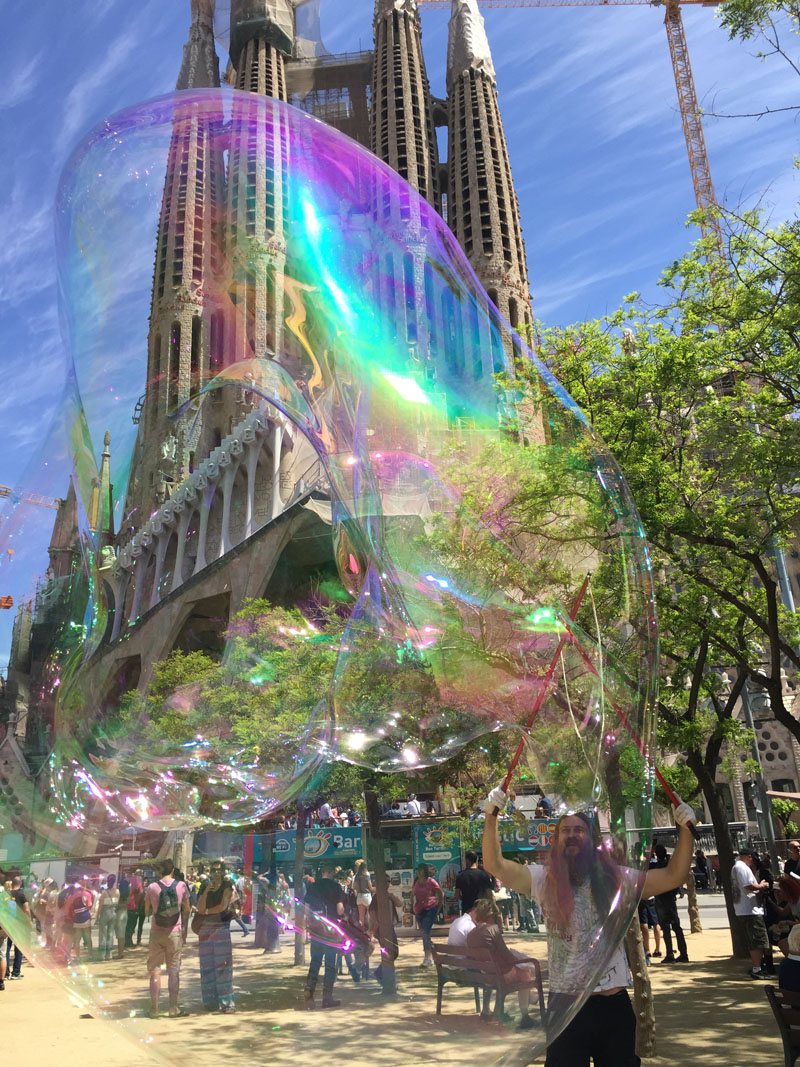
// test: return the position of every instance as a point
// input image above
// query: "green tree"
(783, 810)
(698, 399)
(773, 25)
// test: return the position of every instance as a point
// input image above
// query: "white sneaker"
(427, 963)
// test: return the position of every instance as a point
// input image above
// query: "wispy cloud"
(21, 82)
(82, 98)
(25, 240)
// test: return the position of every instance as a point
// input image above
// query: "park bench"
(786, 1008)
(480, 969)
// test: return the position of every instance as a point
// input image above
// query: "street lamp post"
(763, 806)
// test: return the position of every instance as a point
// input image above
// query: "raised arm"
(662, 879)
(512, 874)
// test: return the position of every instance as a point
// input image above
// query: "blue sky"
(590, 110)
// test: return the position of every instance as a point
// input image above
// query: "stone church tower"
(482, 206)
(221, 501)
(180, 357)
(403, 133)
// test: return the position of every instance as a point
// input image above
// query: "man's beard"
(578, 863)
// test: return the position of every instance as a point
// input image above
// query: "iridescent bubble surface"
(337, 541)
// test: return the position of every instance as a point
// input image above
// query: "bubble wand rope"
(545, 686)
(673, 797)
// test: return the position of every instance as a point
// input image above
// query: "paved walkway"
(708, 1014)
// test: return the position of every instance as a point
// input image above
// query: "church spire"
(403, 133)
(468, 45)
(262, 36)
(200, 67)
(482, 207)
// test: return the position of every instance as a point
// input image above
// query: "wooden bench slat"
(786, 1009)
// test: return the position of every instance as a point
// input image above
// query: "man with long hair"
(580, 890)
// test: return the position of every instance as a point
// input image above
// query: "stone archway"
(204, 626)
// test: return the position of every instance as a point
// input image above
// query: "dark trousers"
(318, 954)
(603, 1031)
(668, 920)
(17, 965)
(130, 927)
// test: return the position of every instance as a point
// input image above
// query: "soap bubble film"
(331, 530)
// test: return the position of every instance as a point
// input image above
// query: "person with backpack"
(167, 900)
(79, 915)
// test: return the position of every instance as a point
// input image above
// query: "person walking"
(19, 901)
(428, 899)
(107, 905)
(216, 950)
(667, 914)
(364, 889)
(238, 900)
(141, 912)
(576, 888)
(135, 891)
(648, 921)
(167, 901)
(324, 898)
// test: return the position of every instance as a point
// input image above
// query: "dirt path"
(707, 1013)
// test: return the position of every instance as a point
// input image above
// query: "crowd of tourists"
(337, 909)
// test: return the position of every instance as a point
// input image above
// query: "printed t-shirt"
(571, 955)
(745, 903)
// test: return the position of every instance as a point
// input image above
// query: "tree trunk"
(642, 992)
(299, 868)
(695, 926)
(719, 821)
(387, 937)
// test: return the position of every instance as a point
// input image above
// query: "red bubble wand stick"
(675, 800)
(548, 678)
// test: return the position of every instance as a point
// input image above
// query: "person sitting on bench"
(488, 933)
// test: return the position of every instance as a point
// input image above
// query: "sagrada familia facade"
(234, 506)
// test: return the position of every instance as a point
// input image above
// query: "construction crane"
(684, 84)
(22, 496)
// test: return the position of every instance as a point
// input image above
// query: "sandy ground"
(707, 1013)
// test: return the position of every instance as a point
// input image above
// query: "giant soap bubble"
(332, 532)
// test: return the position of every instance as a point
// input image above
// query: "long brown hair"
(603, 874)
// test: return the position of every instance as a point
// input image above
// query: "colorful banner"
(439, 845)
(532, 835)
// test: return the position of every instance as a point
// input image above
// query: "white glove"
(496, 799)
(683, 814)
